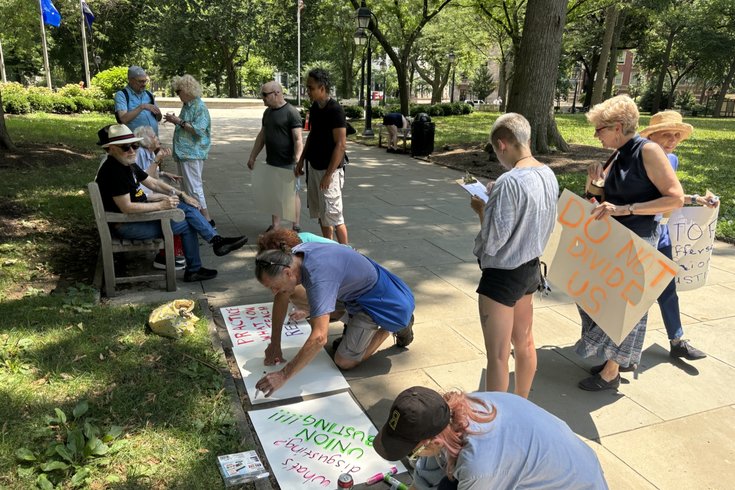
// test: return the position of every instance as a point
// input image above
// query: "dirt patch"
(32, 155)
(474, 159)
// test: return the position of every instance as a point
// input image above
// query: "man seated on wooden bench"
(119, 179)
(392, 121)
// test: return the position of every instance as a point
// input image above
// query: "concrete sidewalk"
(671, 425)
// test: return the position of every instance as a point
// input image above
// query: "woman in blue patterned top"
(192, 137)
(639, 184)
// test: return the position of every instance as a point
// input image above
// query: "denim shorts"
(506, 286)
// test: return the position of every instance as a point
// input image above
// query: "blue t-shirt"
(330, 273)
(523, 447)
(664, 239)
(145, 118)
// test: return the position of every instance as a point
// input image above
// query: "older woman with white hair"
(192, 137)
(517, 221)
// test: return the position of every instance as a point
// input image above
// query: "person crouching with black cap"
(485, 440)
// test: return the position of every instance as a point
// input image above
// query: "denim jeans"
(668, 302)
(194, 224)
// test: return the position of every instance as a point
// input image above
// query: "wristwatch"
(693, 198)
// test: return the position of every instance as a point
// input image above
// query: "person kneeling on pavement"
(378, 303)
(120, 179)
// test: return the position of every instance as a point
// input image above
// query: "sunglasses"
(267, 263)
(126, 148)
(597, 130)
(266, 94)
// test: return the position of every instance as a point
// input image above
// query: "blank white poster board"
(309, 444)
(692, 231)
(249, 327)
(274, 190)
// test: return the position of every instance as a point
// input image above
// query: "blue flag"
(51, 16)
(88, 15)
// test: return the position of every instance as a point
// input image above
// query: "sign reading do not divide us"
(609, 271)
(309, 444)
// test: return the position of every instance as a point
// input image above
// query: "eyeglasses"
(128, 147)
(142, 80)
(415, 453)
(597, 130)
(266, 94)
(267, 263)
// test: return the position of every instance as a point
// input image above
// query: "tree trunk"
(231, 79)
(658, 93)
(536, 70)
(723, 90)
(612, 66)
(611, 19)
(502, 85)
(5, 142)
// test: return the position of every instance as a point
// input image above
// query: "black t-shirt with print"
(116, 179)
(321, 140)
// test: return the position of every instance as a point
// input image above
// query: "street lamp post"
(384, 67)
(452, 57)
(366, 21)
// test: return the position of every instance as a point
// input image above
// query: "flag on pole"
(88, 15)
(51, 16)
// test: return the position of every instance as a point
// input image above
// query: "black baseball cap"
(418, 413)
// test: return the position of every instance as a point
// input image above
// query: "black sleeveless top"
(627, 183)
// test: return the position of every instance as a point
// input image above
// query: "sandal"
(596, 383)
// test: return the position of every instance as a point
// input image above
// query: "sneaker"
(224, 245)
(201, 275)
(683, 349)
(596, 383)
(404, 337)
(160, 263)
(623, 369)
(211, 223)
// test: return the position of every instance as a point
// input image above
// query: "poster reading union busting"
(610, 272)
(309, 444)
(249, 327)
(692, 232)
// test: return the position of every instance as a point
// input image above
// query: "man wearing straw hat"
(668, 130)
(119, 179)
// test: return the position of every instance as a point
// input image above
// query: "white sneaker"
(160, 263)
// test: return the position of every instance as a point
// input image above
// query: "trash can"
(422, 136)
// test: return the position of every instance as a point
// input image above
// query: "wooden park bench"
(111, 245)
(403, 133)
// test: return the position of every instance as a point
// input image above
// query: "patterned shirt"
(189, 146)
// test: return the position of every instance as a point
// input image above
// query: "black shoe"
(596, 383)
(390, 150)
(404, 337)
(223, 246)
(211, 223)
(201, 275)
(683, 349)
(623, 369)
(160, 262)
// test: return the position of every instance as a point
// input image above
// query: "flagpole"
(2, 63)
(45, 48)
(84, 44)
(298, 52)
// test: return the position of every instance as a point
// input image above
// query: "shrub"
(111, 80)
(436, 110)
(378, 111)
(104, 105)
(467, 108)
(84, 103)
(64, 105)
(71, 90)
(41, 102)
(353, 111)
(94, 93)
(698, 110)
(15, 103)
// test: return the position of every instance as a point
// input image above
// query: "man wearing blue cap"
(134, 105)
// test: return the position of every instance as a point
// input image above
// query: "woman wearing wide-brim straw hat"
(638, 184)
(668, 130)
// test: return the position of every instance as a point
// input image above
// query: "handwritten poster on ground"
(610, 272)
(249, 327)
(692, 232)
(309, 444)
(274, 190)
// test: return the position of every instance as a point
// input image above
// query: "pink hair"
(463, 409)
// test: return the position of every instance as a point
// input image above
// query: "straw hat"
(668, 121)
(116, 134)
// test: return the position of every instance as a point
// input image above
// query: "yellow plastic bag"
(173, 319)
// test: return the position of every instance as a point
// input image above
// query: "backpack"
(127, 102)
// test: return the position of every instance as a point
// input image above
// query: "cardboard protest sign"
(692, 232)
(274, 190)
(250, 331)
(309, 444)
(610, 272)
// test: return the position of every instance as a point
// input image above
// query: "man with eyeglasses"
(120, 179)
(134, 105)
(281, 136)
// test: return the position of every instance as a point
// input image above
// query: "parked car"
(475, 102)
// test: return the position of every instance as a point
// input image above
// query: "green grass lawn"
(61, 348)
(705, 158)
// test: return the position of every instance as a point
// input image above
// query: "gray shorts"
(326, 205)
(360, 331)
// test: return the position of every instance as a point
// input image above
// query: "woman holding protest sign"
(668, 129)
(516, 223)
(639, 183)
